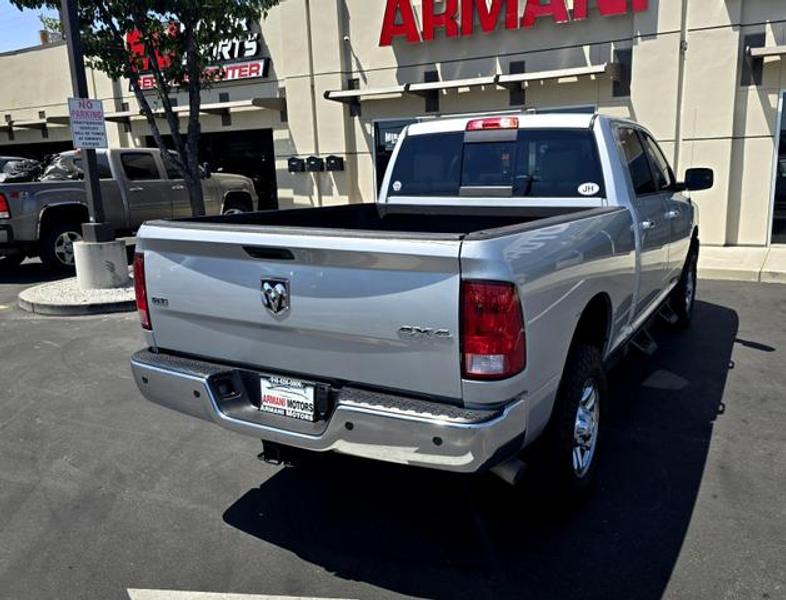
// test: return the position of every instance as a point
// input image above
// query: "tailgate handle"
(269, 253)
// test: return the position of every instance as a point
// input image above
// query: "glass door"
(779, 185)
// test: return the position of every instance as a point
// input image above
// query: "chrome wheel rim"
(233, 211)
(690, 289)
(64, 247)
(585, 429)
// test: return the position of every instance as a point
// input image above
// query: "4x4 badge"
(275, 296)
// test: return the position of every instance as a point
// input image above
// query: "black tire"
(11, 262)
(683, 297)
(567, 477)
(235, 207)
(54, 250)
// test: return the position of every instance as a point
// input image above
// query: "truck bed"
(355, 277)
(362, 220)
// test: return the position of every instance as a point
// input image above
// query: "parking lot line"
(135, 594)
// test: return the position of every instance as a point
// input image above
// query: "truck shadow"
(29, 272)
(436, 535)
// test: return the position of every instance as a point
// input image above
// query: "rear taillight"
(141, 291)
(492, 332)
(5, 210)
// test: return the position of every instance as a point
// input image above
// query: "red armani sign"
(459, 17)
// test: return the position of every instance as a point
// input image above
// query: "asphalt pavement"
(102, 492)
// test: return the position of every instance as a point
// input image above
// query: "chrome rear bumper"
(362, 423)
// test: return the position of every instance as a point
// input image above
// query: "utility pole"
(97, 230)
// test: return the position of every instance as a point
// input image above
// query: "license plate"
(287, 397)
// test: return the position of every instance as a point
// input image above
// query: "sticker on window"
(589, 189)
(396, 186)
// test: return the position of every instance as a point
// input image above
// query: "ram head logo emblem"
(275, 296)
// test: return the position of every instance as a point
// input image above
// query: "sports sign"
(237, 59)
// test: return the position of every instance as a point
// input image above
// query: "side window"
(104, 172)
(663, 173)
(171, 172)
(636, 158)
(139, 166)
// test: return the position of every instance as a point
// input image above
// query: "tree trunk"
(195, 195)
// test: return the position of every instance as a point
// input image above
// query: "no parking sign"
(87, 123)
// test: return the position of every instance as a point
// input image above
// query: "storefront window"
(386, 134)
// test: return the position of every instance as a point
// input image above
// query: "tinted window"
(663, 174)
(171, 172)
(104, 172)
(546, 163)
(428, 165)
(488, 164)
(554, 163)
(638, 165)
(139, 166)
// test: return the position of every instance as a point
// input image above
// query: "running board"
(667, 313)
(644, 343)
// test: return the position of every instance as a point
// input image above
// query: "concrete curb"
(63, 299)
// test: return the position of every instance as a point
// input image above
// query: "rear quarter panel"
(558, 270)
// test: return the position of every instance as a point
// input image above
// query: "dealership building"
(314, 99)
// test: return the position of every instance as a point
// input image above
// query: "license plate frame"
(288, 397)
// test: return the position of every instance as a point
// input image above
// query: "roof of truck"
(526, 121)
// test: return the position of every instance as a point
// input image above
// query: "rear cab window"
(525, 163)
(102, 161)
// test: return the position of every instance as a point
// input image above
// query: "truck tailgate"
(348, 299)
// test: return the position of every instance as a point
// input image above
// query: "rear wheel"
(237, 206)
(683, 298)
(570, 446)
(57, 246)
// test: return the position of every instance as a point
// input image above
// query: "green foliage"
(176, 42)
(51, 24)
(202, 25)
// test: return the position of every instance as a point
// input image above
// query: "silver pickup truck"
(469, 313)
(44, 218)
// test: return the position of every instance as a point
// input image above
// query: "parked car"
(44, 218)
(470, 313)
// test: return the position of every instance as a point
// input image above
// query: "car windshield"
(545, 163)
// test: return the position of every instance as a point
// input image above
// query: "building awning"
(767, 51)
(354, 96)
(610, 70)
(225, 108)
(31, 124)
(123, 116)
(454, 84)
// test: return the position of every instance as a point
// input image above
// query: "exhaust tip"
(511, 471)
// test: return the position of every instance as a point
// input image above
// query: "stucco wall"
(685, 86)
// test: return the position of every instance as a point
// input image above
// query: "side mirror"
(699, 179)
(204, 170)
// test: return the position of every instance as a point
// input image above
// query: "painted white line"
(134, 594)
